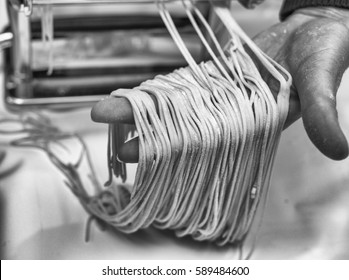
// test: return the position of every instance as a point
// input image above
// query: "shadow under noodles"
(68, 242)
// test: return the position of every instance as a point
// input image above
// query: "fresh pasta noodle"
(206, 149)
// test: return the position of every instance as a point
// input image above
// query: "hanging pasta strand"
(205, 157)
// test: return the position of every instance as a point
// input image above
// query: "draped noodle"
(206, 149)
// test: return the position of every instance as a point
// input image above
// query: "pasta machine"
(64, 53)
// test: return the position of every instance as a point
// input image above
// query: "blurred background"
(307, 214)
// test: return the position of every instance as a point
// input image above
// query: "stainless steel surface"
(6, 40)
(73, 2)
(80, 54)
(21, 52)
(53, 102)
(27, 5)
(29, 56)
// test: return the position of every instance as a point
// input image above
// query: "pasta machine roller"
(64, 53)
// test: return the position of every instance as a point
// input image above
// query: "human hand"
(313, 45)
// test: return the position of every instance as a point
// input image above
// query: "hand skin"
(313, 45)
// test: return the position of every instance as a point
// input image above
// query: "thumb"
(317, 80)
(321, 124)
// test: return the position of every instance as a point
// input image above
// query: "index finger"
(112, 110)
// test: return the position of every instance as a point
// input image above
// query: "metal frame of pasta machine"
(62, 88)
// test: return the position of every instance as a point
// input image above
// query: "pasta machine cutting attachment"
(68, 53)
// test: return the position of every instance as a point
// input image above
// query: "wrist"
(290, 6)
(336, 14)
